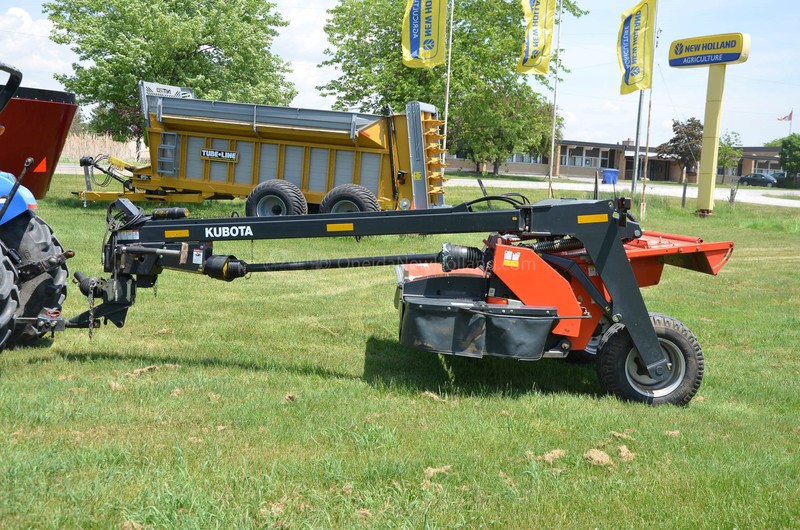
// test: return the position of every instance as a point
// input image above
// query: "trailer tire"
(349, 198)
(273, 198)
(9, 297)
(34, 242)
(622, 374)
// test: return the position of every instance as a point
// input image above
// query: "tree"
(520, 123)
(728, 154)
(493, 109)
(687, 143)
(77, 126)
(221, 49)
(774, 143)
(790, 154)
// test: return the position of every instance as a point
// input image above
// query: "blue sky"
(757, 92)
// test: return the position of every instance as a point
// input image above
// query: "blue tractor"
(33, 270)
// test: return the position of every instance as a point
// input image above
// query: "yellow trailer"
(283, 160)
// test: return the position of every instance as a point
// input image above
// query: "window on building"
(605, 158)
(591, 157)
(575, 157)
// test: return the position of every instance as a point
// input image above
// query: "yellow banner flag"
(635, 47)
(424, 25)
(538, 46)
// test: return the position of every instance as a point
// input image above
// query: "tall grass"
(89, 144)
(284, 400)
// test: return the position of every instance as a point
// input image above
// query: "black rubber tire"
(273, 198)
(349, 198)
(621, 373)
(33, 240)
(9, 297)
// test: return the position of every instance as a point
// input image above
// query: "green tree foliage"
(774, 143)
(686, 144)
(729, 152)
(219, 48)
(790, 154)
(493, 109)
(519, 122)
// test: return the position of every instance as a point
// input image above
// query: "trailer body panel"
(222, 150)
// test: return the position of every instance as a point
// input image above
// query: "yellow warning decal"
(511, 259)
(176, 233)
(594, 218)
(339, 227)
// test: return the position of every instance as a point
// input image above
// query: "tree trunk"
(138, 147)
(496, 169)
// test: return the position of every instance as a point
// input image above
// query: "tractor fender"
(23, 200)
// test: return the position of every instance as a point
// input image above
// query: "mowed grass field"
(285, 401)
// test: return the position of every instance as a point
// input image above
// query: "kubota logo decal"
(229, 231)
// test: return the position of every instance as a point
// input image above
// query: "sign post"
(715, 52)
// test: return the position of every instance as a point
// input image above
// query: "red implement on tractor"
(555, 278)
(552, 279)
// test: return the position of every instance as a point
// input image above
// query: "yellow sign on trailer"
(715, 52)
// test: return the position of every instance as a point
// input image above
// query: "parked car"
(757, 179)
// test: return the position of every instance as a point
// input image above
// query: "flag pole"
(555, 96)
(636, 147)
(643, 204)
(447, 81)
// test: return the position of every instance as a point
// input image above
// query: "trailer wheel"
(349, 198)
(273, 198)
(34, 242)
(622, 373)
(9, 297)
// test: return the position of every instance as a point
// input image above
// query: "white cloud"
(302, 42)
(25, 43)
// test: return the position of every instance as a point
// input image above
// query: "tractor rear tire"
(273, 198)
(9, 297)
(34, 242)
(622, 373)
(349, 198)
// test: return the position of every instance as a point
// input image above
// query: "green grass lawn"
(284, 401)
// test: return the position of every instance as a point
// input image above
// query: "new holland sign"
(728, 48)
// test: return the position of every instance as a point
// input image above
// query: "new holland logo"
(229, 231)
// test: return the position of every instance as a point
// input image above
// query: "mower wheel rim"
(639, 380)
